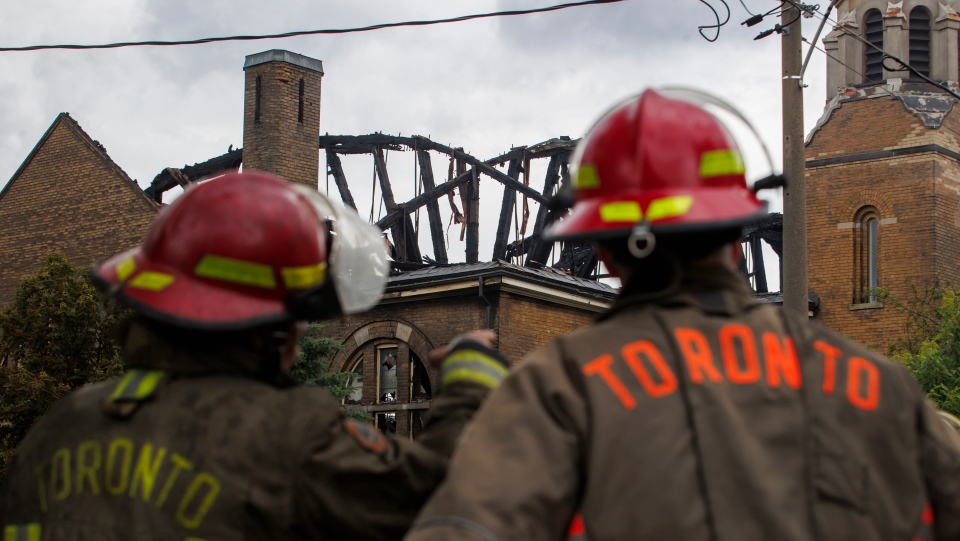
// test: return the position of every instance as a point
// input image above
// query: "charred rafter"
(433, 208)
(335, 168)
(171, 177)
(769, 230)
(506, 212)
(466, 178)
(540, 250)
(577, 259)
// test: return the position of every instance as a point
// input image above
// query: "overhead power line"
(835, 59)
(200, 41)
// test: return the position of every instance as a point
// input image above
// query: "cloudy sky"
(484, 85)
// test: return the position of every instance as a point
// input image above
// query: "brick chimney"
(281, 115)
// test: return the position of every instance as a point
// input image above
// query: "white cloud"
(484, 85)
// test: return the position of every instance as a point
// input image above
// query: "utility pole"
(794, 286)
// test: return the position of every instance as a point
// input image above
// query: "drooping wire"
(200, 41)
(748, 9)
(718, 25)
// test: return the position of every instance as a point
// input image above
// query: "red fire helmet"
(247, 249)
(661, 161)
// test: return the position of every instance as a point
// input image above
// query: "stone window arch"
(866, 250)
(873, 56)
(920, 39)
(390, 378)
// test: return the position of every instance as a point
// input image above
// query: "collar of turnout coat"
(713, 288)
(143, 348)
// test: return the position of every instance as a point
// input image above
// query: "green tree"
(313, 367)
(54, 338)
(931, 350)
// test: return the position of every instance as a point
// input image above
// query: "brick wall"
(527, 324)
(917, 197)
(279, 142)
(417, 326)
(70, 196)
(947, 217)
(522, 323)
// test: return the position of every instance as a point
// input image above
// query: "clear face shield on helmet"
(357, 264)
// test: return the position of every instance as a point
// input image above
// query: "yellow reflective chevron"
(126, 268)
(470, 356)
(586, 177)
(621, 211)
(465, 374)
(137, 385)
(669, 207)
(718, 163)
(151, 281)
(304, 277)
(236, 271)
(472, 366)
(22, 532)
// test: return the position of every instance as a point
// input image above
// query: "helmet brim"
(712, 209)
(170, 296)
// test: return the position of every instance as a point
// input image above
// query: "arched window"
(873, 56)
(920, 40)
(396, 384)
(356, 385)
(866, 251)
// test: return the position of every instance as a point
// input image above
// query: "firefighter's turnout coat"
(696, 413)
(193, 446)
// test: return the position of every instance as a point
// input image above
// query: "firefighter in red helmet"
(206, 436)
(688, 410)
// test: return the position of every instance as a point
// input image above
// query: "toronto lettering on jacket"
(118, 469)
(742, 360)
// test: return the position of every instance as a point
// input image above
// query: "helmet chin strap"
(641, 241)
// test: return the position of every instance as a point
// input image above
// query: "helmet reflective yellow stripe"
(718, 163)
(621, 211)
(126, 268)
(669, 207)
(304, 277)
(659, 209)
(151, 281)
(236, 271)
(22, 532)
(586, 177)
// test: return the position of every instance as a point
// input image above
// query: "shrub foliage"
(53, 339)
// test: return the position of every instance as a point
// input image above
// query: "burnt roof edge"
(499, 270)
